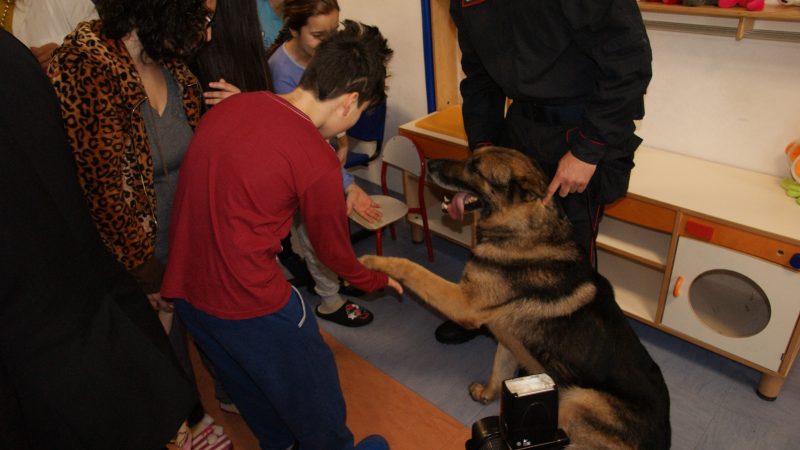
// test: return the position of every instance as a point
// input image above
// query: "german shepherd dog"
(529, 283)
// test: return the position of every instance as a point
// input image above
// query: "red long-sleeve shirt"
(254, 161)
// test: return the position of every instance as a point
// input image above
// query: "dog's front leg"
(503, 368)
(446, 296)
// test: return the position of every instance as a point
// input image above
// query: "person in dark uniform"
(576, 72)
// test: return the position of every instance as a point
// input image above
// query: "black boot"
(450, 332)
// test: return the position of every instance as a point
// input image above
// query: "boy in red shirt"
(255, 160)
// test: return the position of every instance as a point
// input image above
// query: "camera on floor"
(528, 418)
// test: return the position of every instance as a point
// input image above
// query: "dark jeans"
(279, 373)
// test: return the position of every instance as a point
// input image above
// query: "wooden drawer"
(744, 241)
(642, 213)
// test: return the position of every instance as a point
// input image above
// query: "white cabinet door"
(735, 302)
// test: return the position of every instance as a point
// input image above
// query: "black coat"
(587, 60)
(84, 363)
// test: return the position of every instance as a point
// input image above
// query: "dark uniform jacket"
(592, 56)
(84, 362)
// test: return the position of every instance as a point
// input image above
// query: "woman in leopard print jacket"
(111, 75)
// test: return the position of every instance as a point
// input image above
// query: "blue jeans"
(279, 373)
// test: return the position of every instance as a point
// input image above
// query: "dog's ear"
(529, 188)
(528, 178)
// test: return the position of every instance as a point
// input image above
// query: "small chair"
(369, 128)
(400, 153)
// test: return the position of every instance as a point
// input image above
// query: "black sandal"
(349, 315)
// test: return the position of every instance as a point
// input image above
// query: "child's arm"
(323, 209)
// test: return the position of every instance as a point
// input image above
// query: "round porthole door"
(729, 303)
(732, 301)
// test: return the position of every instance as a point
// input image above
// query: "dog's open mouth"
(460, 204)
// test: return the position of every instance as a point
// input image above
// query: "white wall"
(716, 98)
(400, 21)
(729, 101)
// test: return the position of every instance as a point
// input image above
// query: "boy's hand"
(395, 285)
(223, 90)
(362, 204)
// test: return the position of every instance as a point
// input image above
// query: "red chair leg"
(378, 243)
(391, 230)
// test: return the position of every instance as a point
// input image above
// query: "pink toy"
(750, 5)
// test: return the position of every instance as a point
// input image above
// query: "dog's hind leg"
(443, 295)
(503, 368)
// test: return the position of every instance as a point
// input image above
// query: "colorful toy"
(793, 159)
(750, 5)
(792, 188)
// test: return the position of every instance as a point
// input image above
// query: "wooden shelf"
(637, 243)
(770, 12)
(636, 287)
(743, 29)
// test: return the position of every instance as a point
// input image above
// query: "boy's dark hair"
(167, 29)
(351, 60)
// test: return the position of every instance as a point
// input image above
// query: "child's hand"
(223, 90)
(395, 285)
(360, 202)
(44, 53)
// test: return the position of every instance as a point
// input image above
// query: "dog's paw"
(370, 261)
(379, 263)
(480, 393)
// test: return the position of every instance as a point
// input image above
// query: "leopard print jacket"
(101, 103)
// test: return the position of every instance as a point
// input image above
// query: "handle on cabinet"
(794, 261)
(676, 291)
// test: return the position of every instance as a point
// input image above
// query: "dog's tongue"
(456, 207)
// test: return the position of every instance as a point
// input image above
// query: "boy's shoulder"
(247, 103)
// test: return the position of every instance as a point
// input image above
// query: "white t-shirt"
(38, 22)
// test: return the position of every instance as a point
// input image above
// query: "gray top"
(169, 135)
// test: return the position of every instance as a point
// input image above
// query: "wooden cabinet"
(704, 251)
(697, 249)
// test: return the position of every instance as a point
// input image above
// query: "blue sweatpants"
(279, 373)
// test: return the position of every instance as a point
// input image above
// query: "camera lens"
(486, 435)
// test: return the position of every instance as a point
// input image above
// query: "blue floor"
(714, 405)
